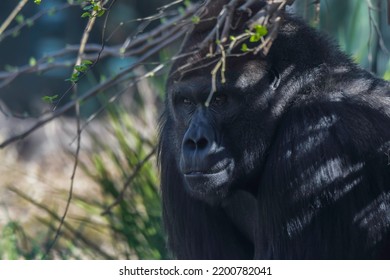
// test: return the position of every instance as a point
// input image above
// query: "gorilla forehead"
(240, 75)
(250, 74)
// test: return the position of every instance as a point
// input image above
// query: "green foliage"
(187, 3)
(136, 219)
(38, 2)
(259, 31)
(50, 99)
(15, 244)
(93, 9)
(244, 48)
(78, 70)
(19, 18)
(32, 62)
(254, 36)
(195, 19)
(9, 246)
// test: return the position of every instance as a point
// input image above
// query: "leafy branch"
(159, 39)
(263, 27)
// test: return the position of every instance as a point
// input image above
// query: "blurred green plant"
(127, 212)
(16, 244)
(131, 196)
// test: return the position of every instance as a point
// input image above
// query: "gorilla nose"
(192, 145)
(197, 152)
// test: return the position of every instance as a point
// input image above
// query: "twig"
(83, 43)
(12, 15)
(92, 92)
(135, 46)
(32, 19)
(117, 95)
(221, 65)
(149, 44)
(229, 18)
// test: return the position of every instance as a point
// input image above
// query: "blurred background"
(114, 209)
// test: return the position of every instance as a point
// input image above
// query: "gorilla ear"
(274, 78)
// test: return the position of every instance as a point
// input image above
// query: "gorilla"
(289, 160)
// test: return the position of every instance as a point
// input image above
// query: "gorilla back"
(290, 160)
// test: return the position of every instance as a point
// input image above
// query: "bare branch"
(135, 46)
(92, 92)
(83, 42)
(147, 44)
(29, 21)
(12, 15)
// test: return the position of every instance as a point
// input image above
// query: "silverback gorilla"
(290, 160)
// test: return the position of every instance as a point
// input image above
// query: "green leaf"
(87, 8)
(181, 10)
(19, 18)
(74, 78)
(244, 48)
(195, 19)
(86, 62)
(86, 14)
(32, 62)
(254, 38)
(81, 68)
(260, 30)
(49, 99)
(100, 13)
(38, 2)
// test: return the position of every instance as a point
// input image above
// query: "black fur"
(303, 132)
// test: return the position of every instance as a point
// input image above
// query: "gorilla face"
(213, 140)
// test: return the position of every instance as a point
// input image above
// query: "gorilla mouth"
(207, 185)
(202, 174)
(217, 169)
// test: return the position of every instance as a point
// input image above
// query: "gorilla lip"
(195, 173)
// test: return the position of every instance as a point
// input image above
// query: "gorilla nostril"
(190, 144)
(202, 143)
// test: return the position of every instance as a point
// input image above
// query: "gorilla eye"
(219, 100)
(186, 101)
